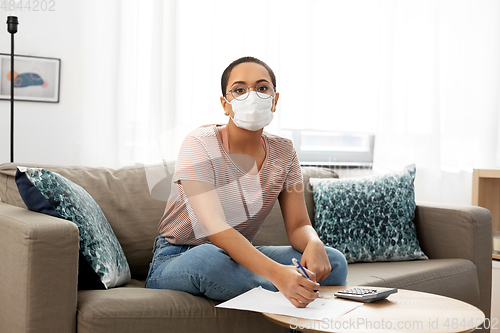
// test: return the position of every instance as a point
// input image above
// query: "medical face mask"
(252, 113)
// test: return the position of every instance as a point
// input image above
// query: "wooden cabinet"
(486, 193)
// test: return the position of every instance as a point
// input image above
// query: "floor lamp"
(12, 29)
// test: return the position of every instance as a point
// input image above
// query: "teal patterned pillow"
(50, 193)
(370, 218)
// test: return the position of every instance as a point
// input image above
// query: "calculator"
(366, 295)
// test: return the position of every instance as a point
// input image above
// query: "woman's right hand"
(296, 288)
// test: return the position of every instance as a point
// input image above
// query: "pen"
(302, 271)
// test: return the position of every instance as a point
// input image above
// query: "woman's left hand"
(316, 260)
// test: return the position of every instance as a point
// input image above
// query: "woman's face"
(250, 74)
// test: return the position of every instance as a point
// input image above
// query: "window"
(334, 149)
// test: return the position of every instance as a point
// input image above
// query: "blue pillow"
(102, 261)
(370, 218)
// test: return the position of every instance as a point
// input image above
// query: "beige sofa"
(39, 254)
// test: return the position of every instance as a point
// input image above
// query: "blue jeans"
(208, 270)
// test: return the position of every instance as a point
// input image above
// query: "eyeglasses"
(240, 91)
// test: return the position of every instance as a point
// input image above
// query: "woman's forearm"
(301, 236)
(244, 253)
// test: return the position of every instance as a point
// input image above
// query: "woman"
(227, 179)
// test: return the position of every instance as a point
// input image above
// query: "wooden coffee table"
(405, 311)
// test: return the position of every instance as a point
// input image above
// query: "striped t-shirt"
(246, 195)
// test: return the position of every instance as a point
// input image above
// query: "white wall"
(45, 132)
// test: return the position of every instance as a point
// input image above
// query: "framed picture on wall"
(36, 79)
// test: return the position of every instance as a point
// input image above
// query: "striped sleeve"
(194, 162)
(294, 176)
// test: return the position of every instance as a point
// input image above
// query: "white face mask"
(253, 113)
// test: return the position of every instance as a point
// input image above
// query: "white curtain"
(423, 76)
(439, 93)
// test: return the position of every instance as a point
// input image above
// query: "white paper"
(262, 300)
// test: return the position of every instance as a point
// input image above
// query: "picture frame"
(37, 79)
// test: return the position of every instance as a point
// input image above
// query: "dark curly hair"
(227, 71)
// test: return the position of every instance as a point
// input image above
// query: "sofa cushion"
(368, 218)
(133, 308)
(49, 193)
(131, 211)
(455, 278)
